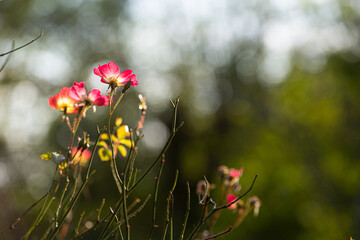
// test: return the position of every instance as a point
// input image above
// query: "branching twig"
(13, 50)
(215, 209)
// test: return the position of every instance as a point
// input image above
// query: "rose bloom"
(110, 74)
(78, 92)
(64, 101)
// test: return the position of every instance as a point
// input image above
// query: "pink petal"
(97, 71)
(104, 81)
(96, 98)
(113, 68)
(125, 73)
(77, 91)
(133, 80)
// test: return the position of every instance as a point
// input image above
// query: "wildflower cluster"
(230, 187)
(229, 197)
(119, 143)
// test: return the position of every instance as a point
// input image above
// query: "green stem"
(88, 175)
(133, 214)
(153, 225)
(113, 166)
(170, 199)
(49, 193)
(187, 212)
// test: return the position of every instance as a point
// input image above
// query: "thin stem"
(12, 226)
(157, 160)
(99, 210)
(13, 50)
(60, 201)
(76, 232)
(8, 57)
(49, 193)
(131, 215)
(186, 213)
(154, 225)
(117, 220)
(113, 166)
(70, 207)
(47, 231)
(117, 102)
(88, 175)
(170, 199)
(219, 234)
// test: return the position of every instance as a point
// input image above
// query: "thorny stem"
(215, 209)
(13, 50)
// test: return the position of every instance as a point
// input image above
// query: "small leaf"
(46, 156)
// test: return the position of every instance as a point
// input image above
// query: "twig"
(8, 57)
(187, 212)
(13, 50)
(117, 220)
(219, 234)
(131, 215)
(170, 199)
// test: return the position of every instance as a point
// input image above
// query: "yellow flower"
(120, 141)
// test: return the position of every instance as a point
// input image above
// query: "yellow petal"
(125, 142)
(118, 121)
(122, 150)
(123, 132)
(105, 154)
(104, 136)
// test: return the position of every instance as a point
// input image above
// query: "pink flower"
(64, 101)
(78, 92)
(230, 198)
(236, 173)
(110, 74)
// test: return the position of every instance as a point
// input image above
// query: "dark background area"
(272, 86)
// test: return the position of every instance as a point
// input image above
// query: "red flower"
(81, 156)
(64, 101)
(110, 74)
(230, 198)
(78, 92)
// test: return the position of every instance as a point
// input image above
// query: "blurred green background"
(273, 86)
